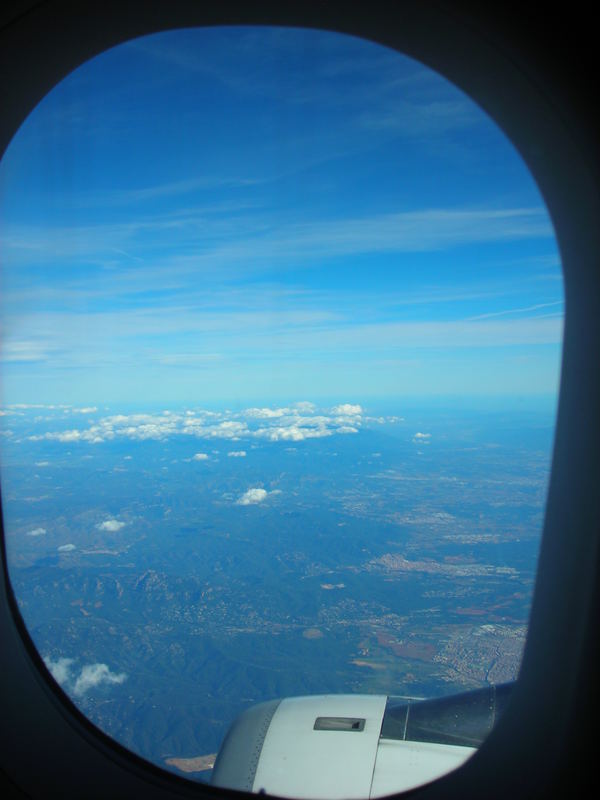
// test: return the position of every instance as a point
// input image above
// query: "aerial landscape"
(175, 567)
(281, 328)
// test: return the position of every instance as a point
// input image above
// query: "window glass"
(281, 327)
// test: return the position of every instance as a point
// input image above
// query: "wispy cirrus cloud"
(280, 245)
(177, 188)
(15, 351)
(415, 118)
(217, 341)
(424, 230)
(526, 310)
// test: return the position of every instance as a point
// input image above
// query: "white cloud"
(252, 497)
(266, 413)
(65, 436)
(305, 407)
(200, 457)
(291, 433)
(59, 669)
(87, 410)
(295, 423)
(90, 675)
(42, 463)
(36, 532)
(237, 454)
(422, 438)
(111, 525)
(229, 429)
(93, 675)
(66, 548)
(347, 409)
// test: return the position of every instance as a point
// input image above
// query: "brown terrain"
(196, 764)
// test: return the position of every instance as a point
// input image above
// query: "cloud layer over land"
(284, 424)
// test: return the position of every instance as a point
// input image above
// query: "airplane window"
(281, 330)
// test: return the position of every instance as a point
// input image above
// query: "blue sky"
(247, 214)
